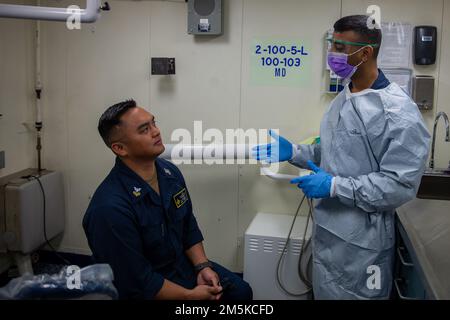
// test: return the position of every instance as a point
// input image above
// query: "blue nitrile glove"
(280, 150)
(317, 185)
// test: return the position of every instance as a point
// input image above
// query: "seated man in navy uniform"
(140, 219)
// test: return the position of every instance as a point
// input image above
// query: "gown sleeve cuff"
(295, 151)
(333, 188)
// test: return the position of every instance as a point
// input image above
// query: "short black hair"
(111, 118)
(359, 24)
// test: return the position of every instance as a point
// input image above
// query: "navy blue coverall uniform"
(143, 236)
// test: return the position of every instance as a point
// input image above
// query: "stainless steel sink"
(435, 184)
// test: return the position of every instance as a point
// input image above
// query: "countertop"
(426, 223)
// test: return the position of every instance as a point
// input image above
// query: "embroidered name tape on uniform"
(180, 198)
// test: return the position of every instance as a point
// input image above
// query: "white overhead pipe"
(228, 151)
(90, 14)
(202, 152)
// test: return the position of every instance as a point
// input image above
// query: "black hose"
(44, 218)
(309, 288)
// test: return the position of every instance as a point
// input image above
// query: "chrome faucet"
(447, 134)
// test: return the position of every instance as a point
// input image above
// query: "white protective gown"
(376, 145)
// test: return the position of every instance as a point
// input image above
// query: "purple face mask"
(338, 63)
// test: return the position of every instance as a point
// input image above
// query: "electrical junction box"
(163, 66)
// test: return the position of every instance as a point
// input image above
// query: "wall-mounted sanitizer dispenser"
(423, 92)
(425, 45)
